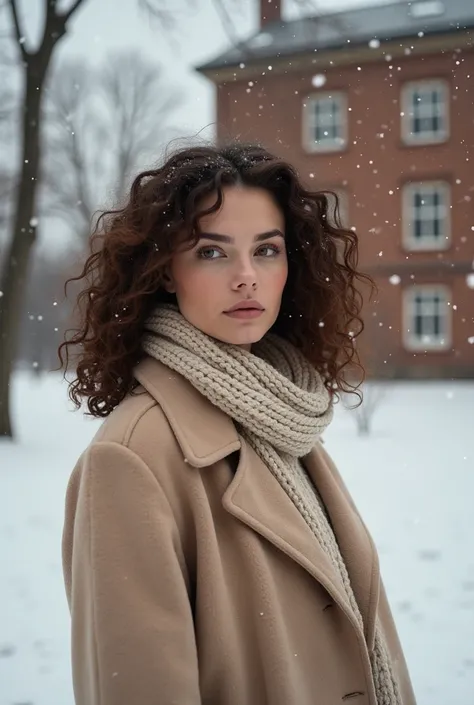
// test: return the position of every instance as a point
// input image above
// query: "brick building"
(377, 104)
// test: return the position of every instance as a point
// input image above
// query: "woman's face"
(240, 261)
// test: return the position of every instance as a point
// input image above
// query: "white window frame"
(425, 243)
(427, 137)
(326, 145)
(426, 343)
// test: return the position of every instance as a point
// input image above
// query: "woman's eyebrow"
(216, 237)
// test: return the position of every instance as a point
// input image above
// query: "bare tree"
(63, 190)
(35, 64)
(47, 313)
(140, 104)
(374, 394)
(101, 127)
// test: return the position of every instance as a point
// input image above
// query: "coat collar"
(206, 435)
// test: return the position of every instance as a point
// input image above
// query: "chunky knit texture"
(281, 406)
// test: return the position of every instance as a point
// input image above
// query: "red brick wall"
(372, 170)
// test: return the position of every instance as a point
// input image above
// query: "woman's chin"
(244, 337)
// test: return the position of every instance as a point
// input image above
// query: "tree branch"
(226, 21)
(167, 18)
(20, 39)
(67, 15)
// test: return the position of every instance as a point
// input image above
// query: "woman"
(211, 551)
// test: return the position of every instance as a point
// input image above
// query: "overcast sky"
(100, 27)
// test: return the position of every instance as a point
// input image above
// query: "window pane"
(327, 122)
(418, 326)
(426, 228)
(319, 134)
(427, 219)
(426, 111)
(428, 317)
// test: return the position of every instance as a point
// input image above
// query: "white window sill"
(427, 246)
(421, 140)
(323, 148)
(417, 345)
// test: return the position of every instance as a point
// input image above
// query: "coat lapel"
(355, 542)
(257, 499)
(206, 435)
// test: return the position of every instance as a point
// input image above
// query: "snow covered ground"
(413, 479)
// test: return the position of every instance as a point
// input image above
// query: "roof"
(355, 27)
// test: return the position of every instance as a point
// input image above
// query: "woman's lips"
(245, 313)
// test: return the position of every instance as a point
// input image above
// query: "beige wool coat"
(193, 580)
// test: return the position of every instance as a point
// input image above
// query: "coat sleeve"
(133, 637)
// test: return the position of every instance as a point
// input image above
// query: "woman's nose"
(245, 278)
(250, 284)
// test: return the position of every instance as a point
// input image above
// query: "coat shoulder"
(137, 437)
(139, 424)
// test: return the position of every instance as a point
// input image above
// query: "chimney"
(270, 11)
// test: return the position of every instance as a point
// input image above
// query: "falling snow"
(440, 583)
(319, 80)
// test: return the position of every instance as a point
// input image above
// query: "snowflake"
(319, 80)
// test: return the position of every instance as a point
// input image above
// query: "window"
(427, 318)
(425, 112)
(325, 122)
(426, 216)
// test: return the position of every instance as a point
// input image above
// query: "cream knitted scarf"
(281, 405)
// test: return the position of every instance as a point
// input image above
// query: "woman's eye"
(269, 250)
(209, 253)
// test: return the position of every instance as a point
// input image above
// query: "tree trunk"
(15, 269)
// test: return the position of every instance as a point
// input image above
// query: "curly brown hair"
(124, 274)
